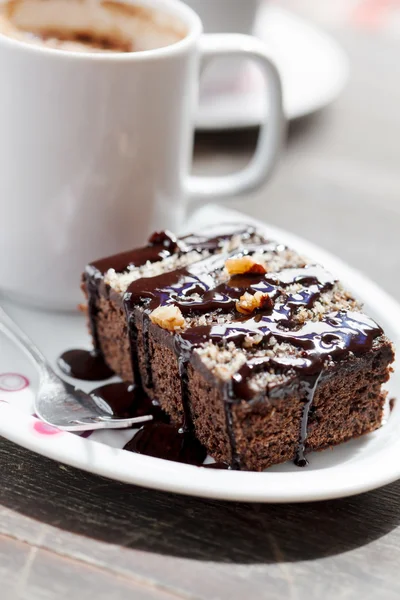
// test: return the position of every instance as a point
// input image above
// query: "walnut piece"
(168, 317)
(248, 303)
(244, 264)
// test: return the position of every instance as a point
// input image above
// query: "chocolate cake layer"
(261, 353)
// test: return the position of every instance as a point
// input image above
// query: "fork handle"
(11, 329)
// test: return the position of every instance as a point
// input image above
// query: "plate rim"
(153, 473)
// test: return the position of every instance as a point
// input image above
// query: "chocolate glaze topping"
(160, 246)
(200, 289)
(163, 244)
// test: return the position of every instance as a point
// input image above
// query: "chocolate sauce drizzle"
(309, 384)
(199, 290)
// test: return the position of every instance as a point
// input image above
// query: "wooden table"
(66, 534)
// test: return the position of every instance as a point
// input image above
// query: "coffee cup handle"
(272, 130)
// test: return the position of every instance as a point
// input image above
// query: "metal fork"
(59, 403)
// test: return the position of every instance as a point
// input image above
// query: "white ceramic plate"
(313, 68)
(354, 467)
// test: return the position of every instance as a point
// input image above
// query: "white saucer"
(313, 68)
(352, 468)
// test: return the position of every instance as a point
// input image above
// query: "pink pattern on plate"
(13, 382)
(44, 428)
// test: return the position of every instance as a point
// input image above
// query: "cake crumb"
(252, 340)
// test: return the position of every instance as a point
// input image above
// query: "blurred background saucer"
(313, 68)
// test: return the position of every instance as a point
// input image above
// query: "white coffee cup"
(95, 151)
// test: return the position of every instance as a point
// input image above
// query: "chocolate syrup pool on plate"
(158, 438)
(126, 400)
(84, 364)
(170, 442)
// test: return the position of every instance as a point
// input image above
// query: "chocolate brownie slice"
(262, 353)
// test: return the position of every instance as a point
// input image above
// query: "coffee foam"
(88, 25)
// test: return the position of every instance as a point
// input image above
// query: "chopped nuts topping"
(244, 264)
(248, 303)
(168, 317)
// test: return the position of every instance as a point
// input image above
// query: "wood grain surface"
(191, 548)
(69, 534)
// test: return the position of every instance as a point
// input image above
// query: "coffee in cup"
(89, 26)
